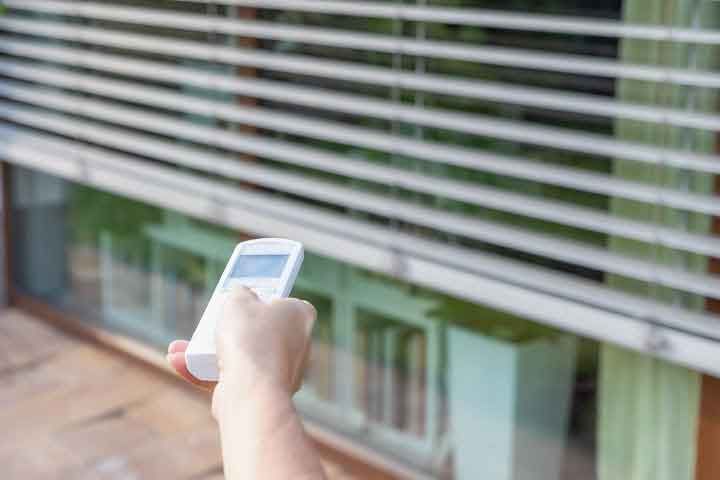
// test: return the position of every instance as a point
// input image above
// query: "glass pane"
(426, 379)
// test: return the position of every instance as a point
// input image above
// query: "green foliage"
(92, 212)
(510, 328)
(489, 322)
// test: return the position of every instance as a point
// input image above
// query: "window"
(528, 172)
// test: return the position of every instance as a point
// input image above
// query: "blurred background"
(509, 209)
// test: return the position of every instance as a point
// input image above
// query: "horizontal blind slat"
(501, 56)
(223, 197)
(557, 212)
(537, 244)
(523, 132)
(478, 89)
(342, 133)
(452, 155)
(543, 23)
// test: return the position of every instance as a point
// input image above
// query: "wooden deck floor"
(74, 410)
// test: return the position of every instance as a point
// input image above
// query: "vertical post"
(390, 338)
(344, 340)
(39, 236)
(708, 428)
(708, 436)
(106, 277)
(5, 226)
(157, 286)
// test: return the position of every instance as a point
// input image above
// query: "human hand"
(256, 342)
(262, 350)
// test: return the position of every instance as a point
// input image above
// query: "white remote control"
(269, 267)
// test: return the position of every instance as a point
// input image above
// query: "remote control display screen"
(259, 266)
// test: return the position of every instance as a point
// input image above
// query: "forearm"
(262, 436)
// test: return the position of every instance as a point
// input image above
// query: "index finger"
(304, 306)
(242, 291)
(241, 295)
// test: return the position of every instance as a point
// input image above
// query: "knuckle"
(240, 296)
(239, 291)
(309, 309)
(303, 308)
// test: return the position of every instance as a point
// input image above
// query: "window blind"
(453, 147)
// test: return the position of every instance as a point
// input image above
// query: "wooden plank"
(708, 437)
(126, 347)
(173, 411)
(339, 465)
(35, 458)
(184, 455)
(67, 405)
(708, 440)
(85, 425)
(90, 383)
(23, 340)
(105, 437)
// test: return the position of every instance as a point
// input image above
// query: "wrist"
(247, 390)
(245, 371)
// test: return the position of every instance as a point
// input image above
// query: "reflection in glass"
(425, 379)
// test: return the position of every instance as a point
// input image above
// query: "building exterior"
(509, 209)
